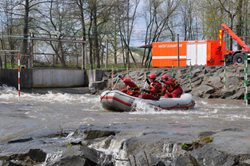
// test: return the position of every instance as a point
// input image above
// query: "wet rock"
(20, 140)
(98, 85)
(32, 157)
(160, 163)
(245, 162)
(232, 129)
(206, 133)
(187, 160)
(209, 155)
(93, 134)
(74, 160)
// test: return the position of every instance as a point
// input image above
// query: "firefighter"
(131, 88)
(171, 87)
(154, 90)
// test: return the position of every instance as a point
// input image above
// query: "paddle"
(117, 80)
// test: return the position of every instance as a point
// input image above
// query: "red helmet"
(126, 80)
(152, 76)
(164, 77)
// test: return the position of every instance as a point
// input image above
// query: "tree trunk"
(80, 5)
(96, 43)
(239, 26)
(25, 57)
(231, 26)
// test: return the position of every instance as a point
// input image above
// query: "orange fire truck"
(207, 52)
(232, 57)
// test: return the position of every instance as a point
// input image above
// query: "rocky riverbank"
(137, 146)
(200, 81)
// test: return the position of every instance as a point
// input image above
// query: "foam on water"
(10, 95)
(141, 107)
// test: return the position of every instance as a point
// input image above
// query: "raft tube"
(118, 101)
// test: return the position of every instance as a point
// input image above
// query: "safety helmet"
(126, 80)
(164, 77)
(152, 76)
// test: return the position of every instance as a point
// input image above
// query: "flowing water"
(35, 113)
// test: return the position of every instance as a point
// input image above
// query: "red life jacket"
(155, 87)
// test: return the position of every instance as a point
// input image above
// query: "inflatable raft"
(117, 101)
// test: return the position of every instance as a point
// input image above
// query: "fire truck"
(205, 52)
(232, 57)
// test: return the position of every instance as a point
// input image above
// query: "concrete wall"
(44, 78)
(9, 77)
(95, 75)
(58, 78)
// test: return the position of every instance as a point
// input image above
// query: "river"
(35, 113)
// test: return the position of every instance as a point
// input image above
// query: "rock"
(202, 90)
(20, 140)
(209, 155)
(160, 163)
(75, 160)
(186, 160)
(36, 155)
(98, 85)
(214, 81)
(32, 157)
(227, 92)
(245, 162)
(206, 133)
(196, 72)
(238, 95)
(93, 134)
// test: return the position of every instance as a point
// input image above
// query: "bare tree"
(232, 10)
(126, 25)
(11, 26)
(157, 18)
(80, 4)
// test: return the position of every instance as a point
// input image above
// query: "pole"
(178, 50)
(190, 75)
(107, 53)
(112, 77)
(83, 54)
(18, 74)
(127, 69)
(225, 73)
(172, 71)
(246, 78)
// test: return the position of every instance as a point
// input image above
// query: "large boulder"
(203, 91)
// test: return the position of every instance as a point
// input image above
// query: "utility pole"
(178, 50)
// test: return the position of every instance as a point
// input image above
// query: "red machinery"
(232, 57)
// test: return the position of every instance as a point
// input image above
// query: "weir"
(44, 78)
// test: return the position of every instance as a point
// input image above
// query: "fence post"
(172, 71)
(18, 74)
(190, 76)
(225, 73)
(112, 77)
(246, 78)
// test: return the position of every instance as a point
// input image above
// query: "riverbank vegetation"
(92, 34)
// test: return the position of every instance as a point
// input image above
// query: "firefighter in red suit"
(131, 88)
(171, 87)
(154, 90)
